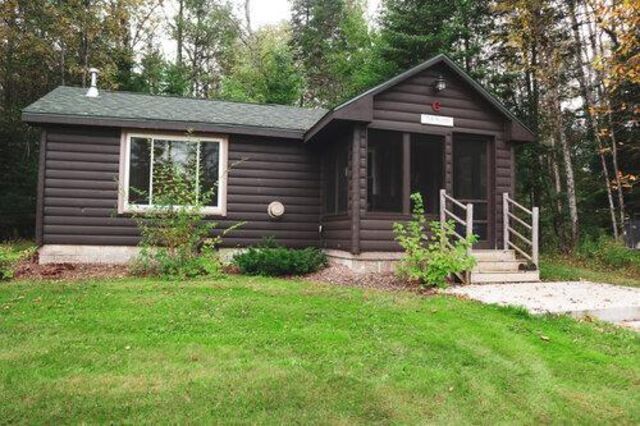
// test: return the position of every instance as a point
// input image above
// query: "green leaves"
(332, 43)
(432, 252)
(177, 240)
(279, 261)
(264, 70)
(9, 259)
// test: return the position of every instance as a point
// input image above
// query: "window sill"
(207, 211)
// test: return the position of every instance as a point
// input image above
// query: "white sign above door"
(436, 120)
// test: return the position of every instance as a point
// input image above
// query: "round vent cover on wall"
(276, 209)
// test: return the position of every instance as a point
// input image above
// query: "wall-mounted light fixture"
(439, 84)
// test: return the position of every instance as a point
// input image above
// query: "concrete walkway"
(607, 302)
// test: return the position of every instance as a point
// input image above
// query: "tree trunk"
(247, 15)
(557, 186)
(179, 32)
(571, 184)
(614, 148)
(588, 99)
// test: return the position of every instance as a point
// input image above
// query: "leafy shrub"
(176, 238)
(9, 259)
(431, 257)
(271, 260)
(608, 253)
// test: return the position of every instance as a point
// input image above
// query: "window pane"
(384, 171)
(174, 172)
(139, 169)
(426, 169)
(209, 169)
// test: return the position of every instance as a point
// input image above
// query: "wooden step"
(505, 277)
(497, 266)
(493, 255)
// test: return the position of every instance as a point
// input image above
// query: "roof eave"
(518, 130)
(42, 119)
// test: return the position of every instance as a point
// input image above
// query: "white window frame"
(125, 159)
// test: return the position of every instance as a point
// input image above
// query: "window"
(384, 171)
(201, 163)
(336, 179)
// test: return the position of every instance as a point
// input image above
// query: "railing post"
(535, 217)
(469, 223)
(505, 220)
(443, 206)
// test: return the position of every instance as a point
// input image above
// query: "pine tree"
(413, 31)
(208, 30)
(331, 42)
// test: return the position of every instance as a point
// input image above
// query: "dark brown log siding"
(81, 190)
(399, 108)
(337, 228)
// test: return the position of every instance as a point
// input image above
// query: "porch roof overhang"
(360, 108)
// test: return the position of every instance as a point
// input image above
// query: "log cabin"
(335, 179)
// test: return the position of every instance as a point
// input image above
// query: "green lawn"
(564, 268)
(259, 350)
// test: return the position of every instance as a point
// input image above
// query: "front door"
(471, 182)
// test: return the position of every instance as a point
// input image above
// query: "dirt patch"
(337, 275)
(341, 275)
(32, 270)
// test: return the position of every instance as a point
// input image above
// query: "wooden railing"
(446, 214)
(530, 251)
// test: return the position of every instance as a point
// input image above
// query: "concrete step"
(497, 266)
(505, 277)
(493, 255)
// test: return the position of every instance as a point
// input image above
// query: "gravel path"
(604, 301)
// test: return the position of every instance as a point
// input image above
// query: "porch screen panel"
(330, 184)
(427, 169)
(336, 179)
(384, 171)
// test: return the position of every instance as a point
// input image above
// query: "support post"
(469, 223)
(41, 184)
(505, 221)
(406, 174)
(448, 162)
(443, 206)
(355, 188)
(535, 218)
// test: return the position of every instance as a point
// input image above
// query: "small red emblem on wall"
(436, 106)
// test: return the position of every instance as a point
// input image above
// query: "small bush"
(431, 257)
(176, 238)
(9, 259)
(279, 261)
(608, 253)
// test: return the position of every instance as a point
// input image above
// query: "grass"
(17, 246)
(565, 268)
(258, 350)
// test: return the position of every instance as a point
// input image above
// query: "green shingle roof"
(71, 101)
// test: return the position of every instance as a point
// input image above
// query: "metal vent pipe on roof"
(93, 90)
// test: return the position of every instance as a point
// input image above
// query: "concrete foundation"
(119, 255)
(365, 262)
(112, 255)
